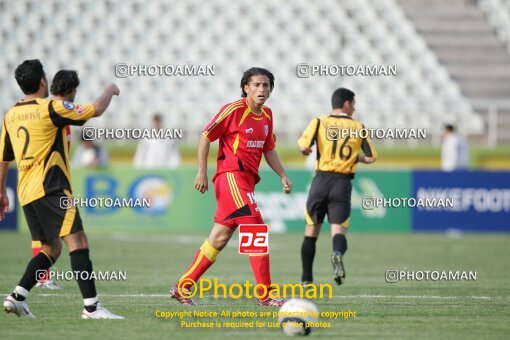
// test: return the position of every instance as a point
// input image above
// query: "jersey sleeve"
(309, 136)
(368, 147)
(64, 113)
(219, 124)
(6, 151)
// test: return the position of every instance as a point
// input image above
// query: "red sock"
(35, 251)
(261, 270)
(204, 258)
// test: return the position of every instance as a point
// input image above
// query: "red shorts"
(235, 199)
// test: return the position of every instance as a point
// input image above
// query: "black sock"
(80, 262)
(307, 255)
(340, 243)
(91, 308)
(40, 262)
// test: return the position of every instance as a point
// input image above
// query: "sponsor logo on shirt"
(255, 144)
(68, 105)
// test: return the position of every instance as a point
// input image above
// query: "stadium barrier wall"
(482, 200)
(176, 206)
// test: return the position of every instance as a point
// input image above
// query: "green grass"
(469, 309)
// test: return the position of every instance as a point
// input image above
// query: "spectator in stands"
(454, 151)
(158, 152)
(90, 155)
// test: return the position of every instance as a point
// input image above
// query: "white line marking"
(424, 297)
(156, 238)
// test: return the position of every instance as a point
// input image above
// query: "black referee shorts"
(329, 194)
(52, 216)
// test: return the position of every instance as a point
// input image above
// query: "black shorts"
(330, 194)
(48, 218)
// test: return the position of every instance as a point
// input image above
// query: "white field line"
(156, 238)
(417, 297)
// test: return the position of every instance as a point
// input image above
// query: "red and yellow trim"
(266, 114)
(193, 267)
(238, 199)
(245, 114)
(235, 145)
(224, 114)
(207, 251)
(228, 110)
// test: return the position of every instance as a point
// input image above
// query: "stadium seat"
(325, 32)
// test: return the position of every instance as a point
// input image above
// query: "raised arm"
(104, 99)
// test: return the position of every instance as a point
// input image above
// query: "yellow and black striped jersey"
(34, 134)
(339, 139)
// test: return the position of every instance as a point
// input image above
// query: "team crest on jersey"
(79, 109)
(266, 129)
(68, 105)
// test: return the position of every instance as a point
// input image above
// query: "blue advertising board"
(10, 222)
(481, 201)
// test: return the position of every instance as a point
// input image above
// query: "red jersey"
(243, 137)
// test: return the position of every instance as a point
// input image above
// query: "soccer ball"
(297, 316)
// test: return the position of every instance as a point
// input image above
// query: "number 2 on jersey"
(27, 140)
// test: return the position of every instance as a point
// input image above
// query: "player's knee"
(52, 248)
(312, 230)
(219, 242)
(81, 244)
(76, 241)
(81, 241)
(338, 229)
(219, 236)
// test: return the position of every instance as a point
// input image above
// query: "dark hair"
(157, 116)
(449, 127)
(255, 71)
(64, 82)
(28, 75)
(340, 96)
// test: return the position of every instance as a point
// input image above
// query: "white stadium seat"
(234, 36)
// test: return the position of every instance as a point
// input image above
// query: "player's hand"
(4, 204)
(368, 160)
(287, 185)
(113, 89)
(306, 151)
(201, 183)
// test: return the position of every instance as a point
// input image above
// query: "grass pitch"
(407, 309)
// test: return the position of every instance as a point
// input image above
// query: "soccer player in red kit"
(245, 132)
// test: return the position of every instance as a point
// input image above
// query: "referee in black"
(339, 139)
